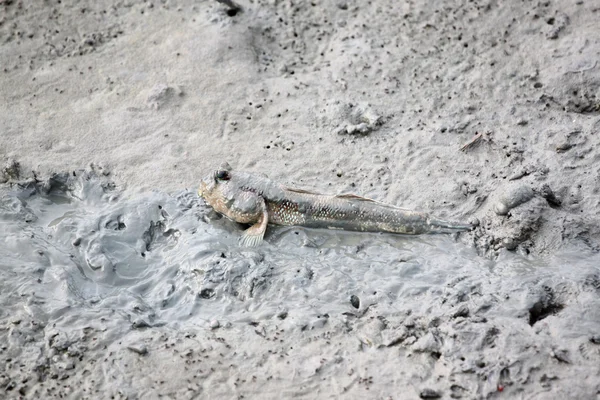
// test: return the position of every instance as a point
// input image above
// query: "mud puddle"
(77, 254)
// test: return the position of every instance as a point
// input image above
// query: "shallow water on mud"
(83, 251)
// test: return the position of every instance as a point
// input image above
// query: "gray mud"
(105, 295)
(118, 283)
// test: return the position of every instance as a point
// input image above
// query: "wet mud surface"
(118, 282)
(110, 295)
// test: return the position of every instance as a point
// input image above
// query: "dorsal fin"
(355, 197)
(301, 191)
(367, 200)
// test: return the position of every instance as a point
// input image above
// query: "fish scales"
(257, 200)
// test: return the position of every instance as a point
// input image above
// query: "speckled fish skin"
(244, 197)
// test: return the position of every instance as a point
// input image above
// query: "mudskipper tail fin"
(442, 226)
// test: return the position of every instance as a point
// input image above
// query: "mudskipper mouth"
(205, 188)
(202, 189)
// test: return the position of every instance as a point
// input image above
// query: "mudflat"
(117, 280)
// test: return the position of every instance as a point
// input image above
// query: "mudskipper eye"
(223, 175)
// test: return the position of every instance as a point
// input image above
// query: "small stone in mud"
(214, 324)
(595, 339)
(509, 243)
(429, 394)
(139, 349)
(463, 311)
(562, 355)
(515, 197)
(282, 315)
(562, 147)
(355, 301)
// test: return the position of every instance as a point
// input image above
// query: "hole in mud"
(206, 293)
(232, 12)
(539, 311)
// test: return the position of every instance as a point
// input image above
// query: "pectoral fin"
(254, 235)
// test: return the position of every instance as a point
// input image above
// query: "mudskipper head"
(223, 186)
(214, 184)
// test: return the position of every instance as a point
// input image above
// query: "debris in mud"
(562, 355)
(549, 195)
(514, 231)
(139, 349)
(362, 120)
(545, 306)
(557, 25)
(522, 172)
(509, 243)
(513, 198)
(473, 142)
(140, 324)
(163, 95)
(10, 172)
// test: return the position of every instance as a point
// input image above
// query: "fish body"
(257, 200)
